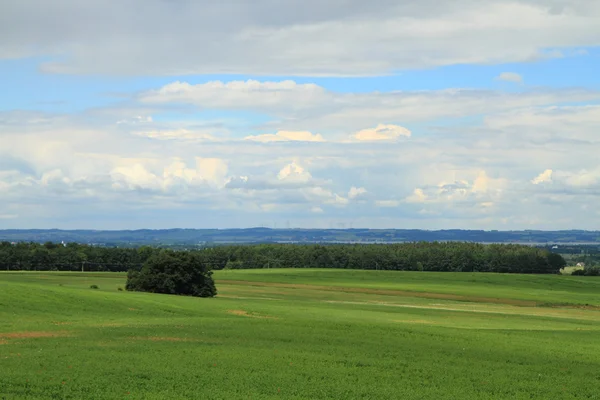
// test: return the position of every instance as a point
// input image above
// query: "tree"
(170, 272)
(556, 261)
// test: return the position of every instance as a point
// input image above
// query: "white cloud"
(176, 134)
(317, 210)
(544, 177)
(295, 37)
(482, 189)
(177, 171)
(382, 132)
(581, 179)
(356, 192)
(212, 170)
(287, 136)
(250, 94)
(308, 107)
(138, 119)
(54, 176)
(510, 77)
(134, 175)
(294, 173)
(418, 196)
(545, 123)
(338, 200)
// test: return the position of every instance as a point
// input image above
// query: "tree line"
(418, 256)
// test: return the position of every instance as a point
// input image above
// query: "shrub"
(94, 287)
(592, 271)
(588, 271)
(170, 272)
(120, 289)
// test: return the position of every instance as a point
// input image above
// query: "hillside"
(302, 334)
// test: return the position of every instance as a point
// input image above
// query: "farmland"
(302, 334)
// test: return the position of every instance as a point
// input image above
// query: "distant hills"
(195, 237)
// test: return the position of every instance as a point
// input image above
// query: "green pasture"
(302, 334)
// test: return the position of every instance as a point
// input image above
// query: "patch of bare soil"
(164, 339)
(168, 339)
(111, 324)
(571, 306)
(242, 313)
(404, 293)
(33, 335)
(415, 321)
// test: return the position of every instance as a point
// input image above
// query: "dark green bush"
(169, 272)
(588, 271)
(94, 287)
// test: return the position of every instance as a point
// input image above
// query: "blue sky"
(155, 114)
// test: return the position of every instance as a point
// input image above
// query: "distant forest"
(418, 256)
(209, 237)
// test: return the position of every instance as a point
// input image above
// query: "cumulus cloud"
(418, 196)
(287, 136)
(357, 193)
(382, 132)
(482, 189)
(134, 175)
(294, 173)
(544, 177)
(212, 170)
(510, 77)
(294, 187)
(580, 179)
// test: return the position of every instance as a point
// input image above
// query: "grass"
(302, 334)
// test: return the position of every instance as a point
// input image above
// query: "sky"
(158, 114)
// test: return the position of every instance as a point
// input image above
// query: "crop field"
(302, 334)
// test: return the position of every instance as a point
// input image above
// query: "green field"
(302, 334)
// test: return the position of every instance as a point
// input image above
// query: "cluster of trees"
(170, 272)
(70, 257)
(421, 256)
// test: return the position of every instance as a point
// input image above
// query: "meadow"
(302, 334)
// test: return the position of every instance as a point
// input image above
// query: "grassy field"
(302, 334)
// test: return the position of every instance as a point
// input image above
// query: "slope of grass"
(301, 334)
